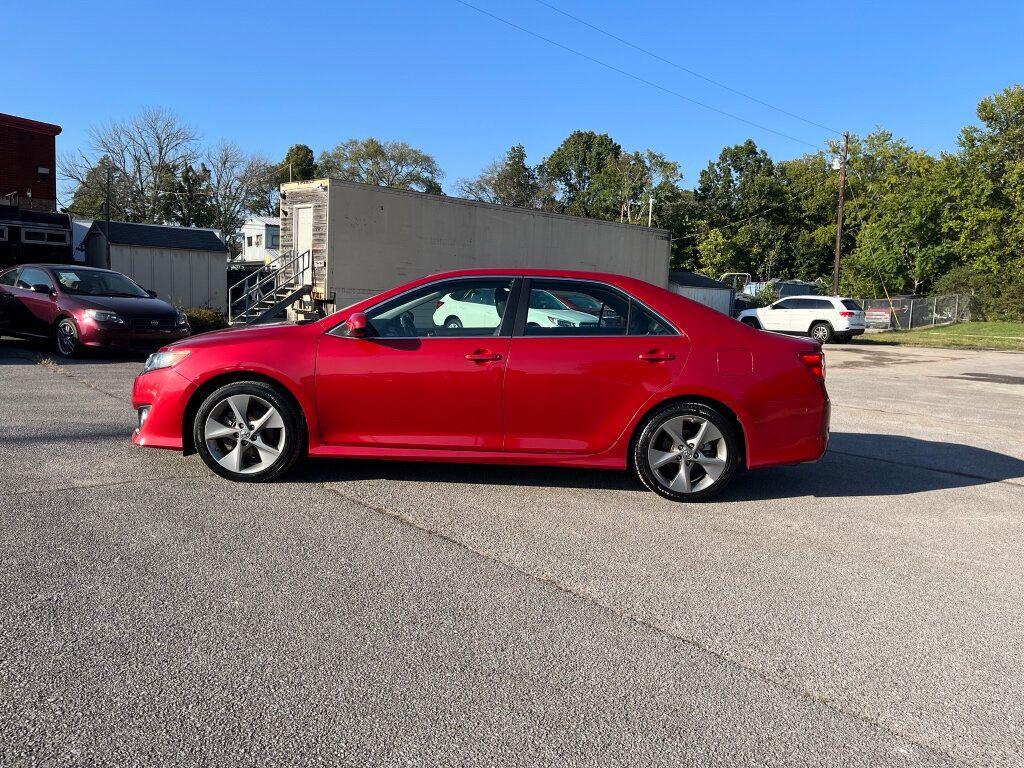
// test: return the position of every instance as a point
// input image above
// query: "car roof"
(61, 266)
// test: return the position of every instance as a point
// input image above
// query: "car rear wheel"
(453, 322)
(66, 338)
(686, 452)
(821, 332)
(751, 321)
(248, 432)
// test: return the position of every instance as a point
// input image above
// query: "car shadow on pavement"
(857, 464)
(14, 350)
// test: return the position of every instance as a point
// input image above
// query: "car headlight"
(159, 360)
(182, 318)
(561, 323)
(102, 316)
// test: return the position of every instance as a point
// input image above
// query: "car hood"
(248, 334)
(126, 307)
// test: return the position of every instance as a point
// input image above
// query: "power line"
(633, 76)
(688, 71)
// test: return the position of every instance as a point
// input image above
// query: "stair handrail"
(283, 263)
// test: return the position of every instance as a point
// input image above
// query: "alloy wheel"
(687, 454)
(820, 333)
(67, 338)
(245, 434)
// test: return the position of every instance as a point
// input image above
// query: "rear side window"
(643, 323)
(851, 304)
(823, 304)
(562, 308)
(8, 277)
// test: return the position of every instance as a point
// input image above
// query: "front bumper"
(109, 336)
(166, 393)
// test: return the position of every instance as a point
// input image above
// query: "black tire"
(727, 448)
(290, 445)
(452, 322)
(821, 332)
(752, 322)
(65, 338)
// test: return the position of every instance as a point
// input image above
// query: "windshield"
(93, 283)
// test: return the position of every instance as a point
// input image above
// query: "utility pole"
(650, 210)
(106, 216)
(839, 215)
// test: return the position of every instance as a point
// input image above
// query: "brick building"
(28, 163)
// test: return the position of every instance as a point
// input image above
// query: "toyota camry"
(644, 380)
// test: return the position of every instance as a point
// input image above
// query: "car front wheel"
(686, 452)
(66, 338)
(248, 432)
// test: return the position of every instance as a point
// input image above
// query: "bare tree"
(236, 181)
(144, 154)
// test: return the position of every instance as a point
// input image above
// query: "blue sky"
(465, 87)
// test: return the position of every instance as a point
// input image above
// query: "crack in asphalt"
(626, 616)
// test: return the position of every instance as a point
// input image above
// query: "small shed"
(702, 289)
(186, 266)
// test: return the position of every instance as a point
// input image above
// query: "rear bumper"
(165, 393)
(790, 432)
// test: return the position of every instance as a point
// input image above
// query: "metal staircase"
(265, 294)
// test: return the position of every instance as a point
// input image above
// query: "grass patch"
(994, 335)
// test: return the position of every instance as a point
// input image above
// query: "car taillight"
(847, 314)
(815, 362)
(439, 304)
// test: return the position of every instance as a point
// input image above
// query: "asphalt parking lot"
(866, 610)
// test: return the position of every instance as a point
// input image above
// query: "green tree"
(384, 163)
(572, 168)
(299, 164)
(510, 181)
(743, 195)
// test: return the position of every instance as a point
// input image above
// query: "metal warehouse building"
(185, 266)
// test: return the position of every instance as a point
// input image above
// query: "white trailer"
(341, 242)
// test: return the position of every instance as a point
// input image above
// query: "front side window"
(463, 308)
(9, 277)
(31, 276)
(784, 304)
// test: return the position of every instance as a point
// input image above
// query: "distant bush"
(993, 295)
(201, 319)
(768, 295)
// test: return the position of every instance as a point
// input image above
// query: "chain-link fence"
(906, 314)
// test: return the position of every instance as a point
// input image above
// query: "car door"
(573, 389)
(414, 382)
(778, 316)
(7, 281)
(34, 310)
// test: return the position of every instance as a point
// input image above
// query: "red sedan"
(680, 393)
(79, 307)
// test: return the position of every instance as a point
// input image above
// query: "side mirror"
(42, 288)
(152, 294)
(356, 325)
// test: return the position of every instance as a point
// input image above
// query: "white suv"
(823, 318)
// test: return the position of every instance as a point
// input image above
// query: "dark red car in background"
(678, 392)
(78, 307)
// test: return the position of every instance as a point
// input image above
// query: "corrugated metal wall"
(184, 278)
(716, 298)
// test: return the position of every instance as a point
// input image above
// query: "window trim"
(504, 330)
(524, 307)
(46, 236)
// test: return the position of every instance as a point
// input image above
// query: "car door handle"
(657, 356)
(483, 356)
